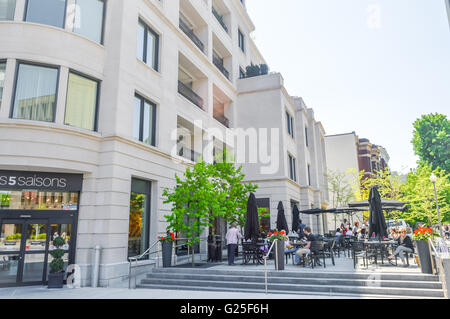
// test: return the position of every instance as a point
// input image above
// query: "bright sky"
(369, 66)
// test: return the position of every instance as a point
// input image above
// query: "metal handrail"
(148, 252)
(265, 262)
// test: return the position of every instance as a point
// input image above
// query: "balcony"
(218, 62)
(220, 19)
(190, 95)
(191, 35)
(222, 119)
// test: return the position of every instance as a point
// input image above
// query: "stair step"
(259, 291)
(296, 280)
(305, 274)
(181, 284)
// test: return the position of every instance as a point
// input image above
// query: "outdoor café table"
(376, 248)
(253, 252)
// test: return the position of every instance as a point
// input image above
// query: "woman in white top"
(349, 232)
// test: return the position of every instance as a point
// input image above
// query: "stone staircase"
(336, 284)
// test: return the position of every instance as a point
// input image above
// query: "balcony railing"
(222, 119)
(187, 153)
(220, 19)
(218, 62)
(190, 95)
(190, 33)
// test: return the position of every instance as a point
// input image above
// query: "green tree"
(432, 140)
(206, 192)
(418, 191)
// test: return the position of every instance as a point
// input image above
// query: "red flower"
(269, 234)
(282, 233)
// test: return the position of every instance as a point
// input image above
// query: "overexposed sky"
(372, 67)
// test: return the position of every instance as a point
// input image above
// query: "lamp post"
(433, 179)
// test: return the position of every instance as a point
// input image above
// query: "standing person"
(233, 236)
(301, 228)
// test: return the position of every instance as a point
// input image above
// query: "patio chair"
(329, 250)
(317, 251)
(340, 246)
(358, 251)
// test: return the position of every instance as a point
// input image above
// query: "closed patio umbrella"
(251, 229)
(377, 222)
(281, 219)
(295, 218)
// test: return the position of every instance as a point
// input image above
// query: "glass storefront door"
(24, 250)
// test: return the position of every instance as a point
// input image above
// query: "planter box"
(56, 280)
(279, 250)
(167, 253)
(423, 251)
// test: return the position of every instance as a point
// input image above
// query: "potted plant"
(421, 236)
(279, 249)
(56, 275)
(167, 246)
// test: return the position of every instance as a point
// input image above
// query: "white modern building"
(102, 102)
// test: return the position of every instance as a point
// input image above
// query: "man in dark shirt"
(306, 250)
(405, 245)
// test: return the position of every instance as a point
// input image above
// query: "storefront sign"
(12, 180)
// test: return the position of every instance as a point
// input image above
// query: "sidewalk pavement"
(40, 292)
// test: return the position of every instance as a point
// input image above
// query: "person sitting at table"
(405, 245)
(306, 250)
(338, 234)
(349, 232)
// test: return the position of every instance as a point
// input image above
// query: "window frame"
(306, 136)
(97, 100)
(16, 77)
(292, 167)
(290, 124)
(102, 37)
(143, 100)
(241, 44)
(25, 13)
(6, 64)
(147, 28)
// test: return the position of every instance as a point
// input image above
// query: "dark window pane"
(89, 19)
(81, 104)
(35, 93)
(2, 79)
(50, 12)
(7, 8)
(141, 41)
(144, 121)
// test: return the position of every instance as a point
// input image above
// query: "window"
(2, 79)
(241, 39)
(306, 137)
(139, 224)
(35, 95)
(50, 12)
(144, 121)
(7, 9)
(290, 124)
(148, 45)
(81, 103)
(292, 168)
(309, 174)
(89, 19)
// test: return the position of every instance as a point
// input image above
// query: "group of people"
(346, 229)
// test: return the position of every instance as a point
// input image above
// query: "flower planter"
(279, 250)
(167, 253)
(423, 251)
(56, 280)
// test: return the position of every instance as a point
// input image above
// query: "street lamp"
(433, 179)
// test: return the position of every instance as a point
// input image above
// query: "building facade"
(101, 103)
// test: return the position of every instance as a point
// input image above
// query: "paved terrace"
(343, 265)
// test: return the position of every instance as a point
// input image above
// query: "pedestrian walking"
(232, 237)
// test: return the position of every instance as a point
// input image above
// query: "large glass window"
(81, 104)
(2, 79)
(50, 12)
(38, 200)
(144, 121)
(7, 8)
(35, 97)
(147, 45)
(89, 19)
(290, 124)
(292, 168)
(139, 226)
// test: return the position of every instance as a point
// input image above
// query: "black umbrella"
(281, 219)
(251, 229)
(377, 222)
(295, 218)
